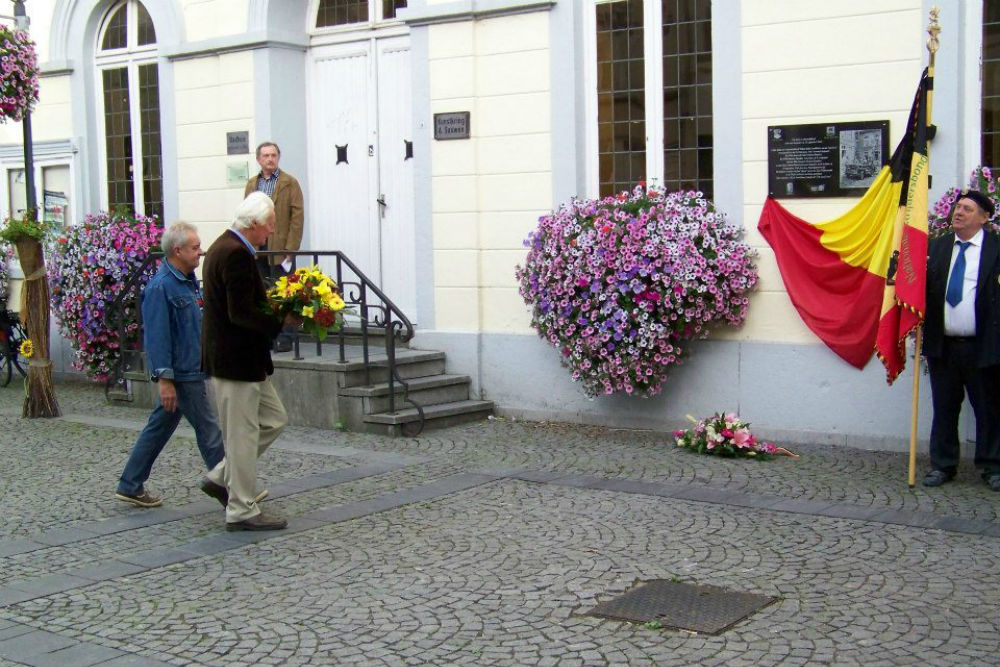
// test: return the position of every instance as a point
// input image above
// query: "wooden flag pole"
(932, 46)
(914, 409)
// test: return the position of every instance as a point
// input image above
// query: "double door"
(361, 160)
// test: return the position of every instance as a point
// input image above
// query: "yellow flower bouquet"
(311, 295)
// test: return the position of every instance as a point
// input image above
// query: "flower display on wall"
(88, 269)
(18, 74)
(982, 179)
(621, 286)
(6, 255)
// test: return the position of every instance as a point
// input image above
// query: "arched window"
(345, 12)
(130, 83)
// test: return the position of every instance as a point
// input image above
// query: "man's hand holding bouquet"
(310, 296)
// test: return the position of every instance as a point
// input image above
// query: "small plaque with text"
(237, 143)
(452, 125)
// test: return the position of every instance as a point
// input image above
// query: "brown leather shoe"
(217, 491)
(260, 522)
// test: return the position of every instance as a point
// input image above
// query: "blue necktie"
(955, 283)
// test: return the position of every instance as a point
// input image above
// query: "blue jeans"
(192, 402)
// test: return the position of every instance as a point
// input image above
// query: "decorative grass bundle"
(40, 394)
(26, 233)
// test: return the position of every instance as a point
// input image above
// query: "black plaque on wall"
(237, 143)
(825, 159)
(452, 125)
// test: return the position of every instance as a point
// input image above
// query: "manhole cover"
(704, 609)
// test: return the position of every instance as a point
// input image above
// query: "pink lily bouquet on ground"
(311, 295)
(726, 435)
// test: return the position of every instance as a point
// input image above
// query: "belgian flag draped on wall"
(858, 280)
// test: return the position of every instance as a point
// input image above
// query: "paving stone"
(32, 645)
(79, 655)
(482, 544)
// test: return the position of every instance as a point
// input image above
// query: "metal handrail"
(375, 310)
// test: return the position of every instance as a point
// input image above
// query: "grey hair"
(253, 210)
(265, 144)
(176, 236)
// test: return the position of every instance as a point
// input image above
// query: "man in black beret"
(962, 338)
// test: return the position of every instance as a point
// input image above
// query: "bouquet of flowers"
(311, 295)
(88, 267)
(726, 435)
(982, 179)
(18, 74)
(621, 286)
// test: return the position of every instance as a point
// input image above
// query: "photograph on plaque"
(825, 159)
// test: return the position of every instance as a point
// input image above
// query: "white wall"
(488, 191)
(214, 95)
(808, 62)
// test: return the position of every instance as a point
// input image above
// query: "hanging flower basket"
(89, 267)
(621, 286)
(18, 74)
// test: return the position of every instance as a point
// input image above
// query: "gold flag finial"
(933, 29)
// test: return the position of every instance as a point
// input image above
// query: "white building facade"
(154, 104)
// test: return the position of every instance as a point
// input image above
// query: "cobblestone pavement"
(481, 545)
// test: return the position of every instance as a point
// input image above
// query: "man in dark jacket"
(962, 338)
(171, 313)
(236, 339)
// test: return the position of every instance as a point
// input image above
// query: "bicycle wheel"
(18, 360)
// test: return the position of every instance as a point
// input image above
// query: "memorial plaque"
(454, 125)
(825, 159)
(237, 143)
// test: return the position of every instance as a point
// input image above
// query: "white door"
(361, 161)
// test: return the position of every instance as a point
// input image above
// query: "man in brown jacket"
(286, 194)
(236, 335)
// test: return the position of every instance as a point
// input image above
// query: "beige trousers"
(251, 417)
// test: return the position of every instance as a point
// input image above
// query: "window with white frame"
(653, 79)
(332, 13)
(129, 76)
(55, 190)
(991, 84)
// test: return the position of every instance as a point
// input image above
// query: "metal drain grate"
(704, 609)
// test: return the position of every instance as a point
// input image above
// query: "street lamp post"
(22, 21)
(39, 394)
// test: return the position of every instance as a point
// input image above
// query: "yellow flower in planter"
(27, 348)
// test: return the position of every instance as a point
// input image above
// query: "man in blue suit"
(962, 338)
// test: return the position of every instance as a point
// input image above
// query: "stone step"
(436, 416)
(351, 373)
(429, 390)
(353, 336)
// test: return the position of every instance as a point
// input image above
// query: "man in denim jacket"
(171, 313)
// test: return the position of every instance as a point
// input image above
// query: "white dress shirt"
(960, 320)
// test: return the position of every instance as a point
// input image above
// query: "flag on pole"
(858, 280)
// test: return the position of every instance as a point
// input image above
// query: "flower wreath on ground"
(18, 74)
(88, 269)
(726, 435)
(982, 179)
(311, 295)
(622, 285)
